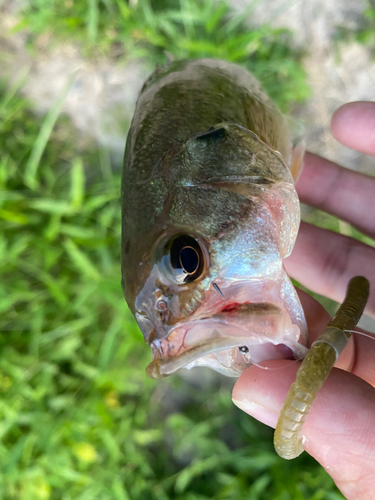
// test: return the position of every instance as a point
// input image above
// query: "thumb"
(338, 432)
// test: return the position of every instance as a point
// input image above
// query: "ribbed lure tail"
(316, 367)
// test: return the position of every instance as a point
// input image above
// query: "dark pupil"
(189, 259)
(186, 258)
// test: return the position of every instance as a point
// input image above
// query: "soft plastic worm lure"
(316, 367)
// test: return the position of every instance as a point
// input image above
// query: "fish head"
(203, 271)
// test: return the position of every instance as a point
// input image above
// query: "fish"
(209, 212)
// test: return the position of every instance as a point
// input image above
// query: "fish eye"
(186, 259)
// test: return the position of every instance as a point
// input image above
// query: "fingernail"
(265, 415)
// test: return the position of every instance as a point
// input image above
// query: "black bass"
(209, 211)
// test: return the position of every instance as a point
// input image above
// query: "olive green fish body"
(209, 211)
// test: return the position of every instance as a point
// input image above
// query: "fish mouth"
(263, 330)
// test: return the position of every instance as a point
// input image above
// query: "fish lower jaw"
(262, 332)
(228, 361)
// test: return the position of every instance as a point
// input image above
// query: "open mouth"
(230, 340)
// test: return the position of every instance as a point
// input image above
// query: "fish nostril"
(161, 305)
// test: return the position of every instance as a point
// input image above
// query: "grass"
(364, 33)
(79, 419)
(154, 30)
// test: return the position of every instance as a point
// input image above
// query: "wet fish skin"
(206, 156)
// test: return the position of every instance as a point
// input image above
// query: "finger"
(358, 356)
(354, 126)
(317, 319)
(316, 316)
(339, 191)
(324, 262)
(338, 432)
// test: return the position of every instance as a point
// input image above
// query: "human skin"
(339, 431)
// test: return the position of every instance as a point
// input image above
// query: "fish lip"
(164, 366)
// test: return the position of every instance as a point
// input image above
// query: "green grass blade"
(15, 87)
(32, 165)
(81, 261)
(108, 346)
(92, 20)
(77, 186)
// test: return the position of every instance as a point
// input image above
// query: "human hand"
(339, 431)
